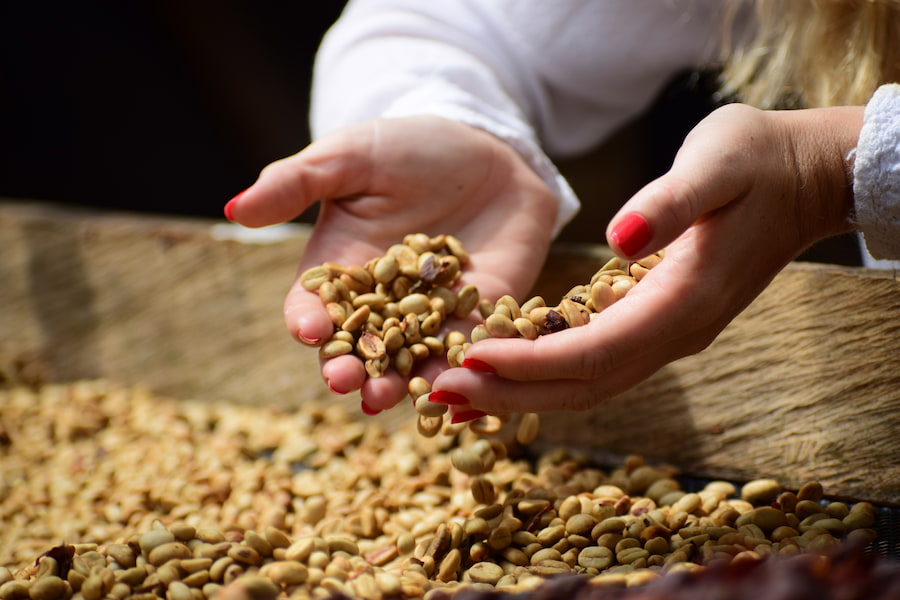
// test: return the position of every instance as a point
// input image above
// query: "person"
(441, 117)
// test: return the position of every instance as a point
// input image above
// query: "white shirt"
(551, 78)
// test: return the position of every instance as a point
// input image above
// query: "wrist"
(822, 142)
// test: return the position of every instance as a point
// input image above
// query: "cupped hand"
(382, 179)
(748, 191)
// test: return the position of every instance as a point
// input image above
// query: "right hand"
(748, 191)
(382, 179)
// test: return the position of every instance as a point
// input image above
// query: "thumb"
(337, 166)
(707, 174)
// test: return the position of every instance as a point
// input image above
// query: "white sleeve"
(876, 179)
(549, 78)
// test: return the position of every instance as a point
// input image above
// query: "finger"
(304, 313)
(382, 393)
(707, 174)
(495, 395)
(343, 374)
(337, 166)
(305, 317)
(658, 317)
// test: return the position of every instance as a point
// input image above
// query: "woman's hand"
(383, 179)
(748, 191)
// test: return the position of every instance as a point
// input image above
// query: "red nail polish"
(631, 234)
(477, 365)
(306, 340)
(467, 415)
(229, 206)
(445, 397)
(335, 390)
(368, 409)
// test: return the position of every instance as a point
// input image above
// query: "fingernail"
(631, 234)
(306, 340)
(467, 415)
(368, 409)
(229, 206)
(334, 389)
(477, 365)
(445, 397)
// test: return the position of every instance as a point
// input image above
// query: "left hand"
(748, 191)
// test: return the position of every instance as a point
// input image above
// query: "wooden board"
(805, 384)
(154, 301)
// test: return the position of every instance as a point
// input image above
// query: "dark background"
(161, 106)
(174, 106)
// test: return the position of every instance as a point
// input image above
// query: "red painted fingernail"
(477, 365)
(229, 206)
(368, 409)
(334, 389)
(467, 415)
(306, 340)
(631, 234)
(445, 397)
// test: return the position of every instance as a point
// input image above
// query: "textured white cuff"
(876, 175)
(464, 108)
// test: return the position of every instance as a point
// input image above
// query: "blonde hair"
(811, 53)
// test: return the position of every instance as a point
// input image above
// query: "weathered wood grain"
(149, 300)
(804, 384)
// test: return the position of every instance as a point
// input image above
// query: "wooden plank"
(153, 301)
(803, 385)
